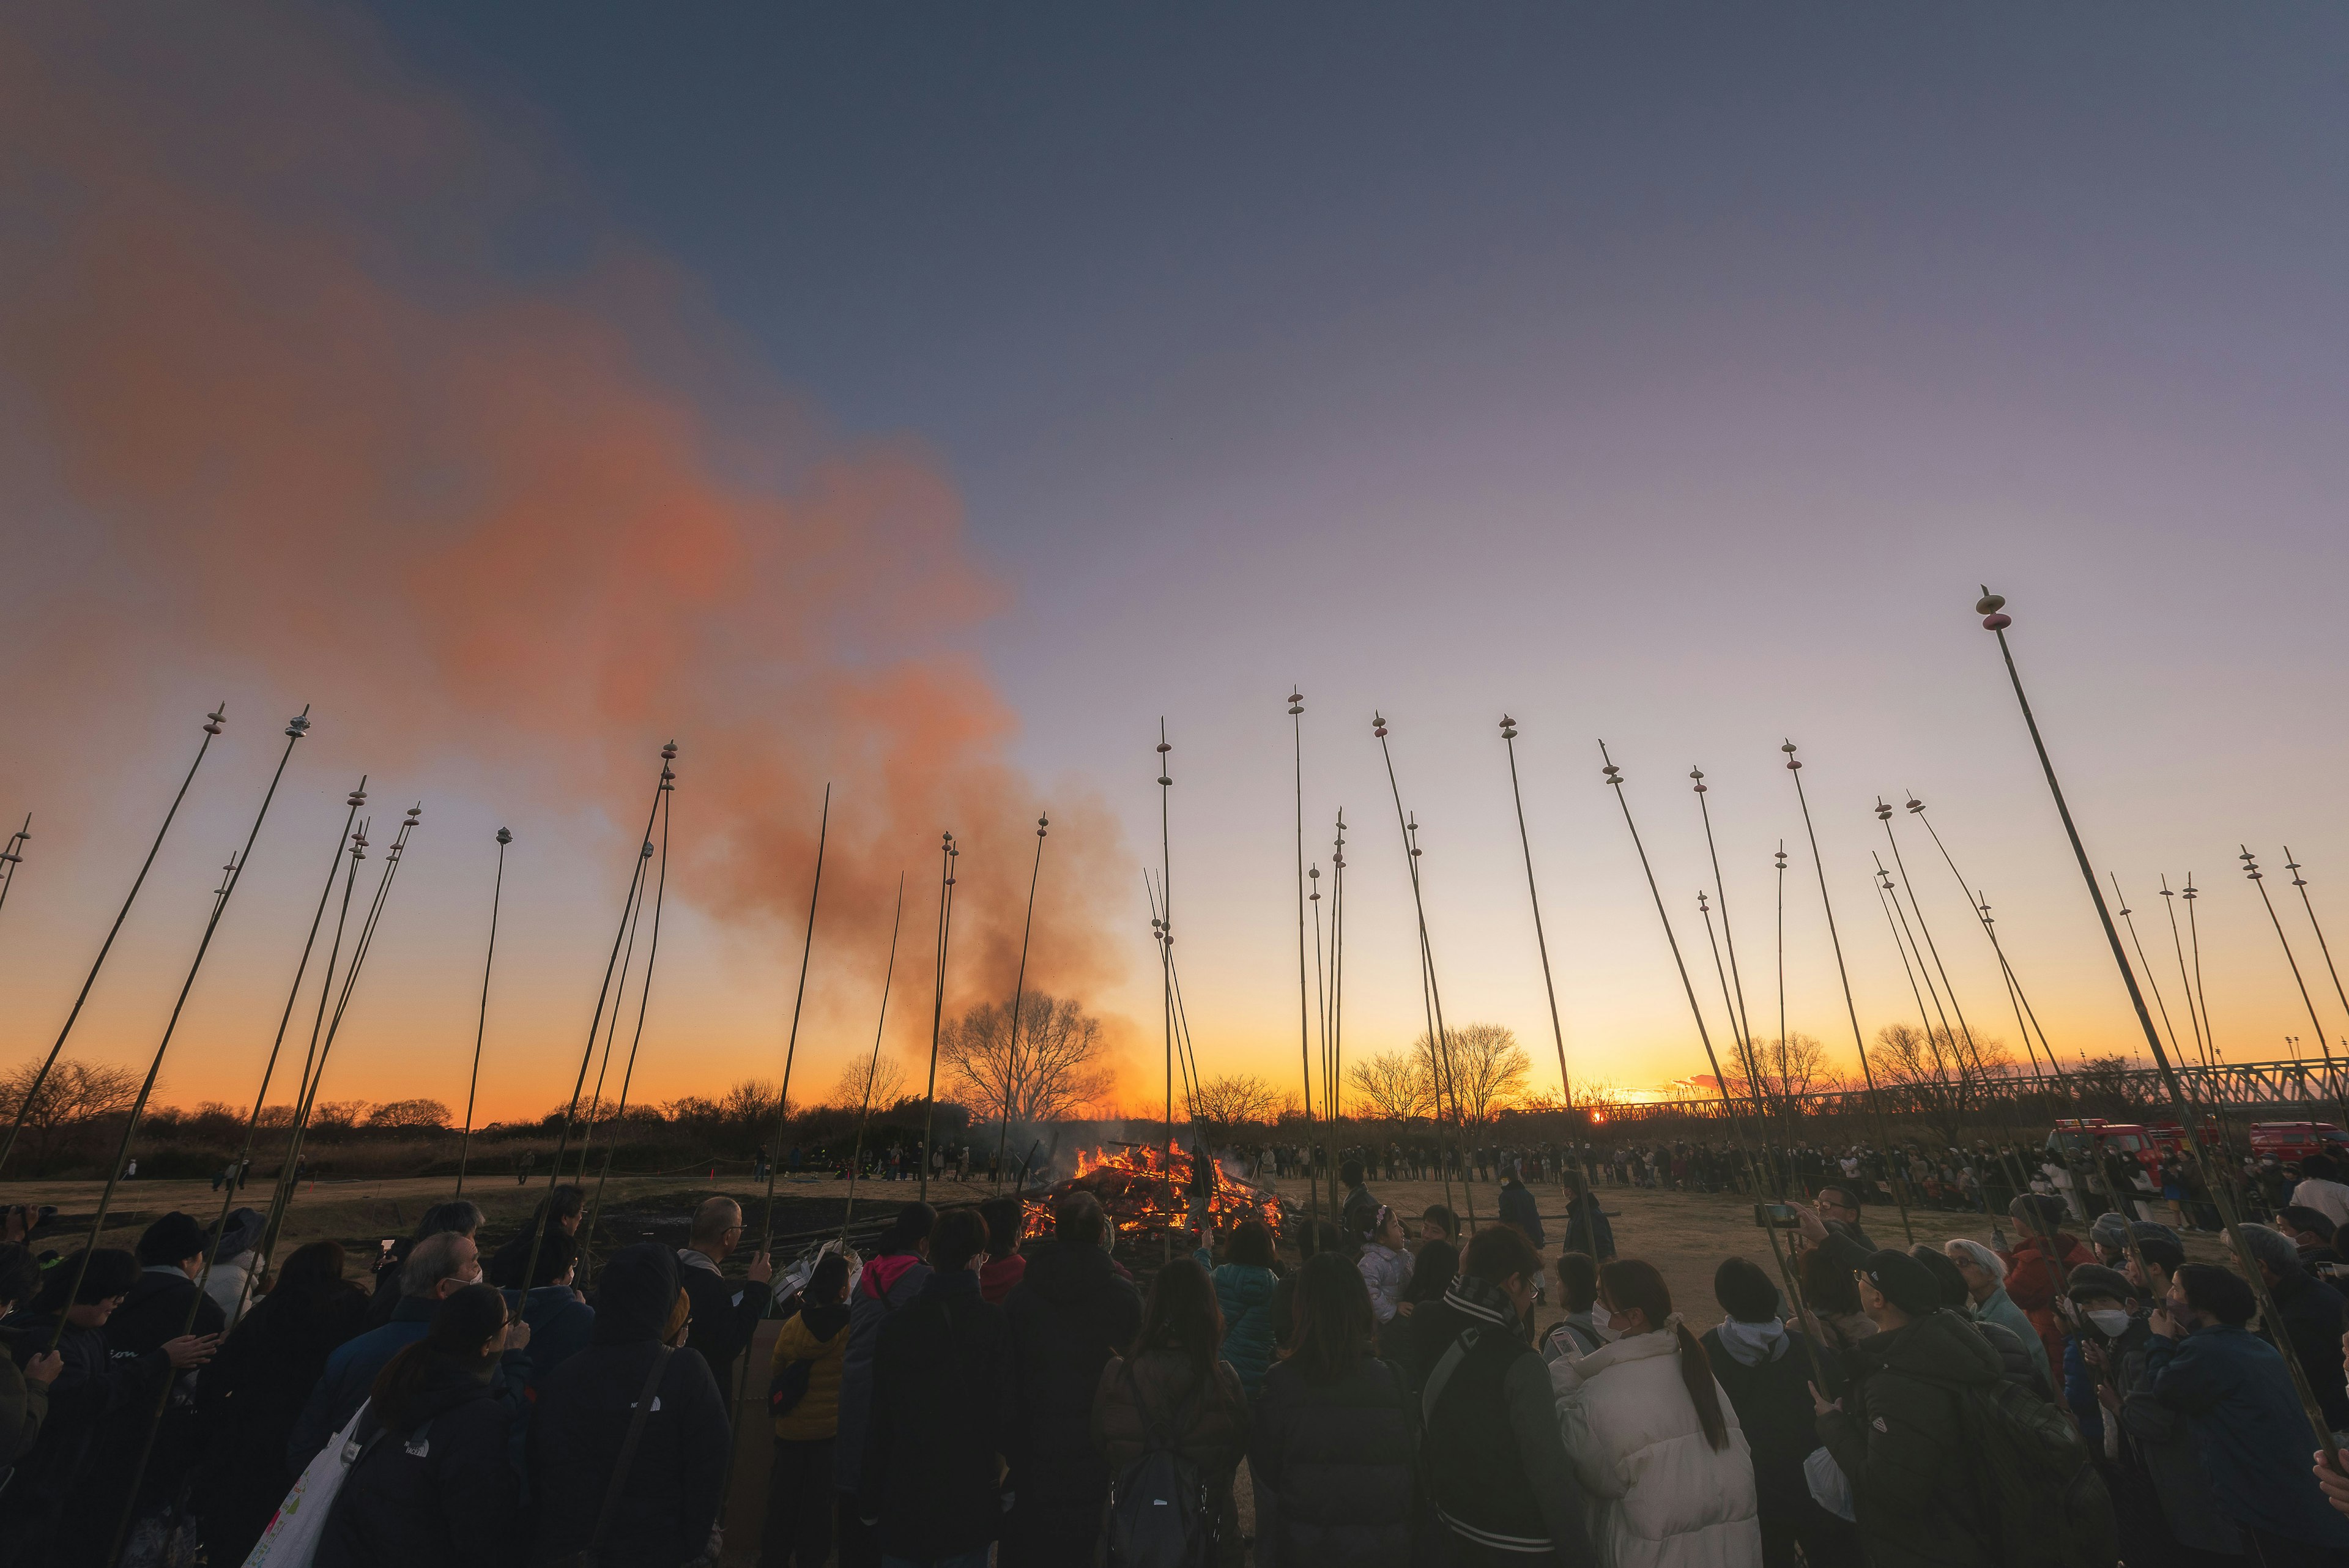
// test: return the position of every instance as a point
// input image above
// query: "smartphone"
(1776, 1216)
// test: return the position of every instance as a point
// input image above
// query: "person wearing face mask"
(1652, 1437)
(1766, 1368)
(437, 1267)
(1496, 1471)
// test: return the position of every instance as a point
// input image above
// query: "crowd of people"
(967, 1394)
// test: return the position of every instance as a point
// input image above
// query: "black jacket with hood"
(1900, 1439)
(941, 1391)
(668, 1502)
(1070, 1312)
(442, 1490)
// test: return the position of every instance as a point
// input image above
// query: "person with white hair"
(1986, 1277)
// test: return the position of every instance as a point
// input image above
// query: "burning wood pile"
(1142, 1192)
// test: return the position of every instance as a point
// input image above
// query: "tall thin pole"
(1304, 1029)
(594, 1025)
(1541, 944)
(2301, 883)
(1321, 998)
(1989, 607)
(2258, 879)
(1336, 1075)
(2128, 918)
(1786, 1085)
(482, 1023)
(947, 855)
(873, 1068)
(619, 1006)
(2185, 982)
(791, 1044)
(1786, 1272)
(315, 1069)
(1166, 930)
(213, 723)
(231, 875)
(1741, 1025)
(1439, 1043)
(636, 1041)
(14, 856)
(1900, 1181)
(1018, 996)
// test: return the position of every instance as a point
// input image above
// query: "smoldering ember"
(635, 634)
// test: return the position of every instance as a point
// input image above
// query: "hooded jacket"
(1772, 1399)
(1331, 1467)
(442, 1491)
(818, 1335)
(1666, 1497)
(1519, 1208)
(1587, 1229)
(1245, 1291)
(1899, 1439)
(1385, 1272)
(941, 1371)
(668, 1502)
(2169, 1448)
(1070, 1312)
(2031, 1284)
(886, 1285)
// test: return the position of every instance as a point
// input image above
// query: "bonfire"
(1140, 1192)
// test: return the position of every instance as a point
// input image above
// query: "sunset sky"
(927, 400)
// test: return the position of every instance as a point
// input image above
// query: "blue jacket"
(2249, 1429)
(561, 1327)
(350, 1371)
(1244, 1292)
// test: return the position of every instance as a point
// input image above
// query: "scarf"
(1480, 1299)
(1752, 1343)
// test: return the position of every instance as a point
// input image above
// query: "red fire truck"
(2289, 1141)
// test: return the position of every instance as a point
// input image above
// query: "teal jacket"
(1244, 1292)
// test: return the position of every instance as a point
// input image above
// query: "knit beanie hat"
(1906, 1283)
(2109, 1230)
(2096, 1280)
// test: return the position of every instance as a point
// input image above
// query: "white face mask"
(2110, 1321)
(1604, 1332)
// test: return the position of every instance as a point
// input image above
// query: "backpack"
(2046, 1503)
(790, 1387)
(1160, 1515)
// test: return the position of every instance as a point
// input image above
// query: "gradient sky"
(1671, 374)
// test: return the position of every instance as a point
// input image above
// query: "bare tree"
(879, 1079)
(1945, 1081)
(336, 1117)
(73, 1099)
(411, 1115)
(1791, 1070)
(1485, 1069)
(1392, 1085)
(1235, 1099)
(1057, 1063)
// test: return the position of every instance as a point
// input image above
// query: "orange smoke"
(259, 324)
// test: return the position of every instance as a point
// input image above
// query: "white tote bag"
(292, 1538)
(1830, 1487)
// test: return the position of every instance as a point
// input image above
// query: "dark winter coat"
(1773, 1401)
(155, 1311)
(24, 1404)
(1519, 1208)
(251, 1396)
(668, 1500)
(442, 1491)
(886, 1285)
(561, 1327)
(93, 1388)
(1358, 1217)
(1211, 1426)
(1069, 1315)
(1900, 1440)
(2020, 1360)
(1587, 1229)
(1496, 1463)
(1331, 1466)
(2249, 1429)
(941, 1391)
(2169, 1448)
(2312, 1313)
(726, 1313)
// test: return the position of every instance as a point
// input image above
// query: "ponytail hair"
(1626, 1284)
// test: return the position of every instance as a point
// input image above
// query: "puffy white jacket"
(1386, 1272)
(1665, 1498)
